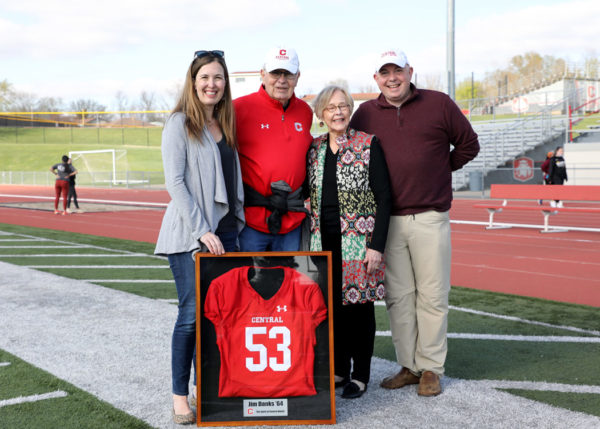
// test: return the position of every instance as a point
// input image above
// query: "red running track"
(558, 266)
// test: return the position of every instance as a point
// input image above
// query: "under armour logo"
(264, 126)
(281, 308)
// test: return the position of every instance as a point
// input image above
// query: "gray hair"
(322, 99)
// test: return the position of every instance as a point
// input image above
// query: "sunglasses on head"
(200, 54)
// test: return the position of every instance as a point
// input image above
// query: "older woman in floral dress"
(350, 200)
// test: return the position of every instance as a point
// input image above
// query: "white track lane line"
(89, 200)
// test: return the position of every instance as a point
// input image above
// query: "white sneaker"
(552, 203)
(80, 211)
(69, 211)
(560, 204)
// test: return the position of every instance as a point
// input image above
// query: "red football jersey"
(266, 345)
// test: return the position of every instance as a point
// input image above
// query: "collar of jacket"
(383, 103)
(350, 133)
(275, 103)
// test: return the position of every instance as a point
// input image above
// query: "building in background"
(244, 83)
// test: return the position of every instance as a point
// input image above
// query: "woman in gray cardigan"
(202, 175)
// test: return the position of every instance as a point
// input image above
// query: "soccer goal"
(102, 165)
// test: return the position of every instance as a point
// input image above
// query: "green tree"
(592, 68)
(6, 94)
(466, 90)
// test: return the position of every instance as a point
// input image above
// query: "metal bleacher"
(503, 140)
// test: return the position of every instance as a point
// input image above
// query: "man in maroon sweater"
(425, 137)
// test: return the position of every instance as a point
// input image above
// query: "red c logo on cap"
(282, 52)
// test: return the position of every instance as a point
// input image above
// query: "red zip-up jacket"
(272, 146)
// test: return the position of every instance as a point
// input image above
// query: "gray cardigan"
(194, 180)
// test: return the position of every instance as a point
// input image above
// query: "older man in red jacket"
(273, 131)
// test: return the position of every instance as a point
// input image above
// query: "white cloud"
(568, 30)
(68, 28)
(91, 50)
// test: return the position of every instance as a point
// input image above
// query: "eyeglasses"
(343, 107)
(276, 74)
(200, 54)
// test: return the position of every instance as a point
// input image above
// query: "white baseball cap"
(391, 56)
(282, 58)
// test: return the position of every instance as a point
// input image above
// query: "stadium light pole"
(450, 50)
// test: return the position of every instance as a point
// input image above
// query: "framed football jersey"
(264, 339)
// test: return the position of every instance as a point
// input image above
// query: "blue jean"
(252, 240)
(183, 344)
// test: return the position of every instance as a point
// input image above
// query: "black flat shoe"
(352, 391)
(341, 383)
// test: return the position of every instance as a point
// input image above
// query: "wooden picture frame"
(268, 315)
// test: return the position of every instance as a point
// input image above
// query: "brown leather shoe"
(429, 384)
(399, 380)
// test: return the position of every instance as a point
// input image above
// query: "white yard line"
(96, 266)
(4, 363)
(516, 319)
(33, 398)
(66, 244)
(126, 281)
(74, 255)
(58, 246)
(538, 385)
(12, 240)
(530, 322)
(494, 337)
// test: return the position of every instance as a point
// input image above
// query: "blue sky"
(74, 49)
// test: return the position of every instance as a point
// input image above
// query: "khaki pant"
(417, 281)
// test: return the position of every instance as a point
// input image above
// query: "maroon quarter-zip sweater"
(424, 141)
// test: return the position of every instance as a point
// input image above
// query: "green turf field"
(65, 406)
(148, 136)
(491, 336)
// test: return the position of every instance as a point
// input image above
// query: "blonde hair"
(322, 99)
(191, 106)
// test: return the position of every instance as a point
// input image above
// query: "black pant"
(72, 194)
(353, 324)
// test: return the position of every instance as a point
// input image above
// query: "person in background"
(63, 171)
(273, 131)
(72, 195)
(545, 167)
(203, 178)
(557, 172)
(350, 205)
(425, 137)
